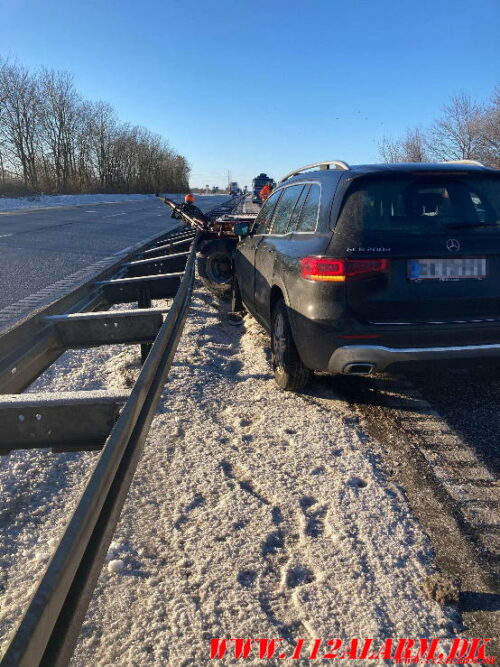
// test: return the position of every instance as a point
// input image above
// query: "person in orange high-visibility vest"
(266, 191)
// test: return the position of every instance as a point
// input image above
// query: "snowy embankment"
(253, 513)
(50, 201)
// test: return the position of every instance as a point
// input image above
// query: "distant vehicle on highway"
(234, 189)
(257, 185)
(356, 269)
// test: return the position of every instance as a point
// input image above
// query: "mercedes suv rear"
(356, 269)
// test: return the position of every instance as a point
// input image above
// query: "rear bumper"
(364, 359)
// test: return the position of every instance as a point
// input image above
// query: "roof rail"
(338, 164)
(475, 162)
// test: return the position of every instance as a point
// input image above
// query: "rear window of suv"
(422, 205)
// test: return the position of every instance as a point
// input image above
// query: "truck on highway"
(234, 189)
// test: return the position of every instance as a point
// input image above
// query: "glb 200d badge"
(453, 245)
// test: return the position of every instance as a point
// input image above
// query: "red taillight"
(326, 269)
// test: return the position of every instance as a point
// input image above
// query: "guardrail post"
(144, 301)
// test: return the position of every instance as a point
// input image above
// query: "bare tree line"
(54, 141)
(467, 130)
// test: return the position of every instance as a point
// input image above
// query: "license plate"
(459, 268)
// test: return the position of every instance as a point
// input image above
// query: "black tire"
(215, 268)
(289, 371)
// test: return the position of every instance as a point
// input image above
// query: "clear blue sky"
(264, 86)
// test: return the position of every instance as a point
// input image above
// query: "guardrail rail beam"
(161, 264)
(169, 248)
(181, 236)
(69, 421)
(107, 327)
(126, 290)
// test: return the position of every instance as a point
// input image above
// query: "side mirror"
(242, 229)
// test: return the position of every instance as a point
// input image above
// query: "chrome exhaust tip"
(358, 369)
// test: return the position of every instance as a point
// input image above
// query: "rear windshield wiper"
(466, 225)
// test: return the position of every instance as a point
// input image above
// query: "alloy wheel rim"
(279, 341)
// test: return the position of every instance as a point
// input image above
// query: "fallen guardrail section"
(116, 423)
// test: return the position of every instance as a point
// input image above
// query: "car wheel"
(289, 371)
(215, 268)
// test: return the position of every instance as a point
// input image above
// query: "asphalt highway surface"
(38, 247)
(438, 428)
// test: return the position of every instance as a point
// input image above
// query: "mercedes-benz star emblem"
(453, 245)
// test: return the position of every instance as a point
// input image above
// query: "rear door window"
(264, 218)
(309, 214)
(284, 209)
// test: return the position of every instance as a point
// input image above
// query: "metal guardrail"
(72, 421)
(48, 631)
(30, 345)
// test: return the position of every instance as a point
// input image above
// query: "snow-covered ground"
(253, 513)
(49, 201)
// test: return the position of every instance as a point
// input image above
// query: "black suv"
(353, 269)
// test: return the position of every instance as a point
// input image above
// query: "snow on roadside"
(253, 513)
(49, 201)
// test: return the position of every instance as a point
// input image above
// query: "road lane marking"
(35, 209)
(114, 215)
(2, 236)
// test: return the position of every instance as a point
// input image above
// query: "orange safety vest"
(265, 192)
